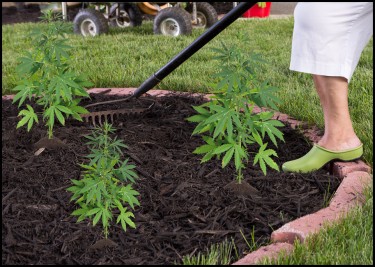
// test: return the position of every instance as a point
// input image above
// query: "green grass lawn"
(127, 57)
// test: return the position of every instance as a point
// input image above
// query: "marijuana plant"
(46, 75)
(106, 185)
(227, 122)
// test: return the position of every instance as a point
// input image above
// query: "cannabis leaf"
(45, 74)
(263, 156)
(227, 123)
(103, 188)
(29, 117)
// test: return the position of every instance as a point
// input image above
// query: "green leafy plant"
(46, 75)
(228, 124)
(106, 185)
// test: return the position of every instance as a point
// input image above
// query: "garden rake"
(164, 71)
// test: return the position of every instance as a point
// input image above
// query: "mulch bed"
(185, 205)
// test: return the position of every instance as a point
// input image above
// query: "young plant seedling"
(106, 185)
(46, 75)
(227, 122)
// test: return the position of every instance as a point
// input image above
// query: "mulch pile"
(185, 206)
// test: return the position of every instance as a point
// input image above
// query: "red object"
(258, 12)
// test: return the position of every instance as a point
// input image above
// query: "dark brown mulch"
(185, 205)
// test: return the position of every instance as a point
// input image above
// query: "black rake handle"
(197, 44)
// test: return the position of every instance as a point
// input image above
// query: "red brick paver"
(348, 194)
(271, 251)
(341, 169)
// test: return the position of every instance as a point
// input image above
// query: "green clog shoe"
(318, 156)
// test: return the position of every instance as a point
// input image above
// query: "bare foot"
(339, 144)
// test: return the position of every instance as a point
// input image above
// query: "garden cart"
(174, 18)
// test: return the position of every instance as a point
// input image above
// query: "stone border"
(355, 177)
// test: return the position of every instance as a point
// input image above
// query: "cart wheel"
(90, 22)
(129, 16)
(206, 14)
(172, 21)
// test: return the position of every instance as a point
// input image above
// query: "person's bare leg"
(339, 133)
(339, 141)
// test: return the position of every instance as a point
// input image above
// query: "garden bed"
(185, 205)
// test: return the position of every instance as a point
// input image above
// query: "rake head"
(110, 115)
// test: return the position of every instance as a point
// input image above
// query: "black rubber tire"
(206, 10)
(91, 18)
(132, 12)
(178, 19)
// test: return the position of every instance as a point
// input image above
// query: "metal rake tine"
(111, 115)
(100, 120)
(105, 118)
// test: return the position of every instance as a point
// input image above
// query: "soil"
(185, 206)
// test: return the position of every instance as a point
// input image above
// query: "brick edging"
(355, 177)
